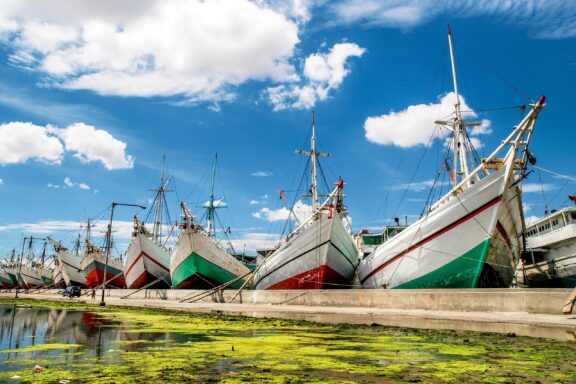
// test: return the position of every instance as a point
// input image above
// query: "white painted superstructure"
(550, 259)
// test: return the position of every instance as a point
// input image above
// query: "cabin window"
(573, 215)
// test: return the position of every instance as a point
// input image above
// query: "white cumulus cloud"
(538, 188)
(323, 72)
(193, 49)
(68, 183)
(415, 125)
(529, 220)
(21, 141)
(301, 210)
(254, 241)
(272, 214)
(91, 144)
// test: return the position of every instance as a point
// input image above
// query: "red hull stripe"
(321, 277)
(157, 263)
(142, 254)
(134, 263)
(462, 220)
(504, 235)
(140, 281)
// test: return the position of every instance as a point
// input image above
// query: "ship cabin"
(552, 231)
(368, 242)
(248, 260)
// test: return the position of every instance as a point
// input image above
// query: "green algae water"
(75, 343)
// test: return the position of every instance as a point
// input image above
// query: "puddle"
(128, 345)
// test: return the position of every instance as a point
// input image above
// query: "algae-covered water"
(80, 343)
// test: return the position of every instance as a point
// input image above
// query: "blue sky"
(93, 94)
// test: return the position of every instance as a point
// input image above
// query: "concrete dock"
(528, 312)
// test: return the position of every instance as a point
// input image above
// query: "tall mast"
(88, 233)
(77, 245)
(30, 252)
(13, 254)
(43, 253)
(458, 127)
(157, 230)
(314, 185)
(460, 152)
(210, 210)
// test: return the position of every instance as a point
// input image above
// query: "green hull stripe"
(13, 278)
(463, 272)
(194, 264)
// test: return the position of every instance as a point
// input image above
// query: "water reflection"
(98, 336)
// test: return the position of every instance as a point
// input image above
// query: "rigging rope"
(555, 174)
(542, 190)
(414, 173)
(496, 74)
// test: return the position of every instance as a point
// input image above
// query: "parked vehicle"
(72, 291)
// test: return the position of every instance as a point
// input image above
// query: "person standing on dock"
(93, 294)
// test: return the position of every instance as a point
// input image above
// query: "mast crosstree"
(160, 201)
(314, 154)
(213, 204)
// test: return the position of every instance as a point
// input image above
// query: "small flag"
(283, 196)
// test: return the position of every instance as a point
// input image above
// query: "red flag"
(283, 196)
(449, 171)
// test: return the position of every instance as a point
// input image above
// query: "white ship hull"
(323, 255)
(472, 240)
(5, 280)
(71, 268)
(29, 278)
(94, 265)
(198, 262)
(145, 263)
(57, 277)
(12, 273)
(46, 275)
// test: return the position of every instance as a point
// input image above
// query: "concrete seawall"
(529, 312)
(543, 301)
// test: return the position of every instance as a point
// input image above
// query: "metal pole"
(109, 244)
(108, 236)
